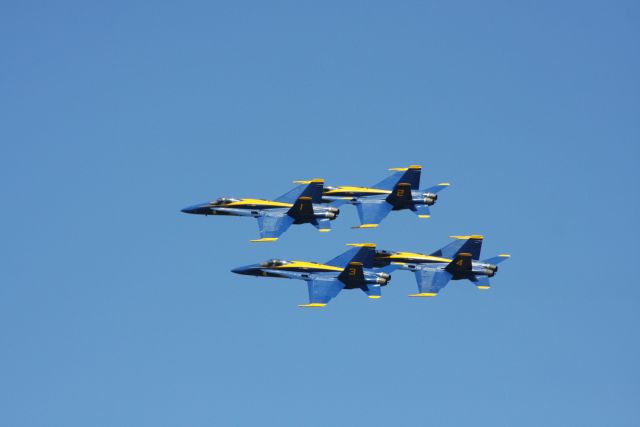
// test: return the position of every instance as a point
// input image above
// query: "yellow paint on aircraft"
(473, 236)
(417, 257)
(265, 239)
(305, 265)
(350, 189)
(257, 203)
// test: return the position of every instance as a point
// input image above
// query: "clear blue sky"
(118, 310)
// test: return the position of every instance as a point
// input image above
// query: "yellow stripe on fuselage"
(353, 190)
(306, 266)
(256, 203)
(413, 257)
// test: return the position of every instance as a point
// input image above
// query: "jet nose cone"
(196, 209)
(245, 269)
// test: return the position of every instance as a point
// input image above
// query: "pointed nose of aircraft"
(195, 209)
(245, 269)
(238, 270)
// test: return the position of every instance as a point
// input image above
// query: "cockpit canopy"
(274, 263)
(223, 201)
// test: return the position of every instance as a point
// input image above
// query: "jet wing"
(291, 195)
(430, 282)
(322, 290)
(272, 225)
(471, 244)
(371, 212)
(311, 189)
(363, 252)
(410, 175)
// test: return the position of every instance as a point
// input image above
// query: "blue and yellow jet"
(300, 205)
(458, 260)
(351, 270)
(397, 192)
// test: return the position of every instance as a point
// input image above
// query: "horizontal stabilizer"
(436, 188)
(322, 224)
(422, 211)
(373, 291)
(481, 282)
(497, 259)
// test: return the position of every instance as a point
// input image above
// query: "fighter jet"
(351, 270)
(458, 260)
(300, 205)
(397, 192)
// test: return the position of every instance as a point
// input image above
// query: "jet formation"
(311, 202)
(362, 267)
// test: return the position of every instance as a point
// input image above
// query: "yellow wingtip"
(365, 245)
(366, 226)
(484, 288)
(406, 169)
(324, 230)
(374, 296)
(424, 216)
(313, 304)
(309, 181)
(444, 184)
(424, 294)
(505, 255)
(473, 236)
(265, 239)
